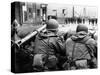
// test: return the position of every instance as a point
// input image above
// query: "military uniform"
(79, 53)
(47, 46)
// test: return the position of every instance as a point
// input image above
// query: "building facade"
(28, 13)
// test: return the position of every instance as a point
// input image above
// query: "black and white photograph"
(49, 37)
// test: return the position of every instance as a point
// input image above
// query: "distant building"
(16, 12)
(36, 13)
(31, 13)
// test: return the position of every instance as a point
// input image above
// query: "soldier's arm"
(93, 45)
(69, 47)
(61, 46)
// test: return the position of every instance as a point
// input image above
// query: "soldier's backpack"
(78, 47)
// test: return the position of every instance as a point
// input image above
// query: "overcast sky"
(90, 11)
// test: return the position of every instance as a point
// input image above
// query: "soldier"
(80, 50)
(48, 45)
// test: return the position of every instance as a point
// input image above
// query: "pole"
(73, 12)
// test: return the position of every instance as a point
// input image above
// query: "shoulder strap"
(78, 41)
(47, 44)
(90, 50)
(73, 51)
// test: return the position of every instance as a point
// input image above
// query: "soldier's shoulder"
(91, 41)
(68, 40)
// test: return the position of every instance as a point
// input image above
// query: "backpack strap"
(73, 51)
(71, 62)
(90, 50)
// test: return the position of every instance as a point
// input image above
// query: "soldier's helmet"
(82, 28)
(52, 24)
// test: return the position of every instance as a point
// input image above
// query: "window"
(30, 10)
(38, 12)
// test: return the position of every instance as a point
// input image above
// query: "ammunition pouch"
(92, 63)
(77, 64)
